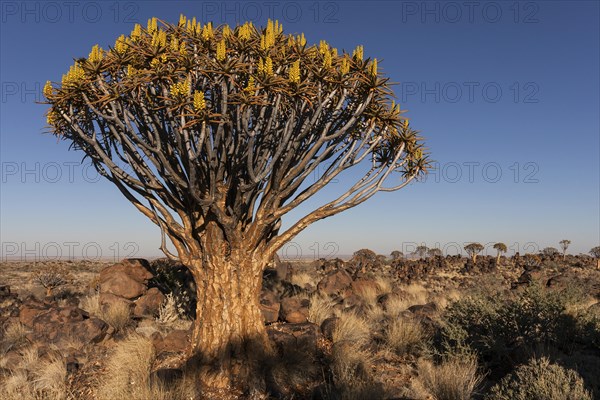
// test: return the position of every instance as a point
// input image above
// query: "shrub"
(453, 379)
(405, 336)
(52, 277)
(540, 380)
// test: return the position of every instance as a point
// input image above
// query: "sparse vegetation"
(454, 379)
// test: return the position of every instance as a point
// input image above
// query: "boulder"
(302, 337)
(269, 306)
(62, 325)
(176, 341)
(424, 310)
(137, 269)
(121, 284)
(294, 310)
(328, 327)
(149, 303)
(109, 300)
(334, 282)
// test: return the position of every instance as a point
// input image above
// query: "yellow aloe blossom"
(294, 72)
(96, 54)
(323, 47)
(75, 75)
(245, 31)
(180, 89)
(131, 70)
(207, 32)
(290, 41)
(182, 20)
(301, 39)
(156, 61)
(199, 102)
(373, 67)
(159, 39)
(405, 125)
(268, 66)
(268, 39)
(191, 26)
(345, 66)
(358, 53)
(221, 50)
(51, 117)
(121, 45)
(226, 31)
(136, 33)
(48, 90)
(250, 86)
(174, 43)
(152, 25)
(182, 49)
(261, 66)
(327, 60)
(334, 52)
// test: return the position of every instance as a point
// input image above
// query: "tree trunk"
(229, 338)
(498, 259)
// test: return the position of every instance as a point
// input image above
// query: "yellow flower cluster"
(245, 31)
(221, 50)
(51, 117)
(193, 26)
(182, 49)
(199, 102)
(405, 125)
(266, 66)
(136, 33)
(323, 47)
(373, 67)
(121, 45)
(294, 72)
(207, 32)
(250, 86)
(345, 66)
(327, 59)
(75, 75)
(301, 39)
(334, 53)
(180, 89)
(358, 53)
(152, 25)
(156, 61)
(182, 20)
(159, 39)
(267, 40)
(226, 31)
(174, 43)
(131, 71)
(96, 54)
(48, 90)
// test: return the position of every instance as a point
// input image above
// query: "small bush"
(453, 379)
(405, 336)
(540, 380)
(52, 277)
(351, 328)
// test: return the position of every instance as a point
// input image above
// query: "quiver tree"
(473, 249)
(500, 248)
(215, 134)
(564, 245)
(421, 251)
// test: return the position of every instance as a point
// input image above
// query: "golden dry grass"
(404, 335)
(454, 379)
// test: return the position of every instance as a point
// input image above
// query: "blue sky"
(505, 93)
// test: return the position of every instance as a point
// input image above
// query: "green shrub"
(540, 380)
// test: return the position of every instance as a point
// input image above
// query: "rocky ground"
(366, 328)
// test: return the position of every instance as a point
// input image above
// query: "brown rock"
(302, 337)
(136, 268)
(174, 342)
(62, 325)
(335, 282)
(424, 310)
(364, 286)
(29, 311)
(328, 327)
(269, 306)
(149, 303)
(108, 300)
(121, 284)
(294, 310)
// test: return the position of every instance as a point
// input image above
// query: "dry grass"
(117, 315)
(50, 378)
(351, 328)
(303, 279)
(418, 294)
(128, 375)
(14, 337)
(405, 336)
(395, 305)
(321, 308)
(91, 304)
(168, 311)
(455, 379)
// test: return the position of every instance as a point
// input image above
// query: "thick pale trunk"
(229, 337)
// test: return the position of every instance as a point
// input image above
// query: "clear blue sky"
(506, 94)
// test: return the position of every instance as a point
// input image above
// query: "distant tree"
(473, 249)
(500, 248)
(564, 245)
(396, 254)
(595, 252)
(52, 277)
(550, 251)
(434, 252)
(421, 251)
